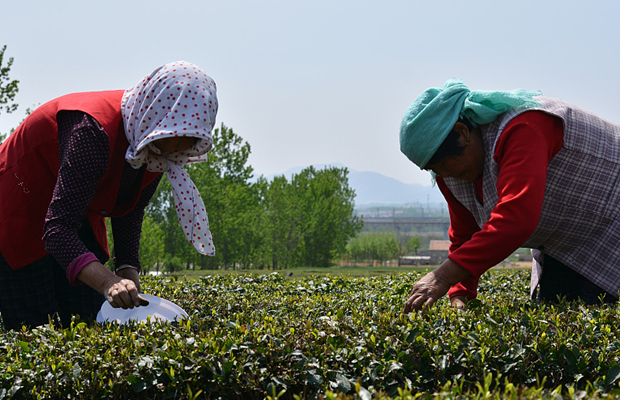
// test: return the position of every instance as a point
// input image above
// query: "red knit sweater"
(523, 152)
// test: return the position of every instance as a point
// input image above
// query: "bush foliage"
(252, 336)
(306, 220)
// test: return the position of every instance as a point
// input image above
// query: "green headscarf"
(433, 114)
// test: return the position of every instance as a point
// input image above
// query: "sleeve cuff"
(77, 266)
(467, 287)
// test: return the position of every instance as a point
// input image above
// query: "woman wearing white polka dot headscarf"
(168, 119)
(84, 157)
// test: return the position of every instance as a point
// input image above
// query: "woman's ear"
(465, 134)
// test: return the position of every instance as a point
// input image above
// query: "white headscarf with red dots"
(176, 100)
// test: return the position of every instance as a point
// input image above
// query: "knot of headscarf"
(176, 100)
(432, 115)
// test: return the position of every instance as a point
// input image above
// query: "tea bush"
(252, 336)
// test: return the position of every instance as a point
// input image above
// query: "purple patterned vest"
(579, 223)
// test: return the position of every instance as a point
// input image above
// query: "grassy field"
(347, 271)
(302, 272)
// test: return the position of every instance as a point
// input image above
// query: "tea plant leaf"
(613, 375)
(342, 383)
(364, 394)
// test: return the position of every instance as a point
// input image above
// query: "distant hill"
(372, 188)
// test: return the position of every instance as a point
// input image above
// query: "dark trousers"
(31, 295)
(559, 281)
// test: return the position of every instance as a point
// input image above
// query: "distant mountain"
(372, 188)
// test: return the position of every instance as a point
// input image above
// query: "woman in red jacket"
(86, 156)
(519, 170)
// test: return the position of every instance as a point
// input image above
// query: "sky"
(318, 82)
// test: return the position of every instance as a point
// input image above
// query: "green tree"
(307, 221)
(357, 248)
(281, 224)
(172, 263)
(328, 203)
(8, 87)
(386, 247)
(230, 200)
(413, 244)
(108, 226)
(410, 245)
(162, 213)
(373, 247)
(151, 243)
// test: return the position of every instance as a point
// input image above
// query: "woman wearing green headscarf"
(519, 170)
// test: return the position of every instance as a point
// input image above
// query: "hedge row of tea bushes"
(253, 337)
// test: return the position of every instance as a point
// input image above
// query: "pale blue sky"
(318, 82)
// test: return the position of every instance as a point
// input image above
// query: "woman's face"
(172, 144)
(470, 164)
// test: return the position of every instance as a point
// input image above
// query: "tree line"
(379, 247)
(264, 224)
(275, 224)
(8, 88)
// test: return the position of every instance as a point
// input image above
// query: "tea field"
(324, 337)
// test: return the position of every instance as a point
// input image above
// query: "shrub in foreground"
(324, 337)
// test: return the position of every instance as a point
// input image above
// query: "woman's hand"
(434, 285)
(426, 292)
(132, 274)
(121, 293)
(459, 302)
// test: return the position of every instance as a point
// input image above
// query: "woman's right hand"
(119, 292)
(123, 294)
